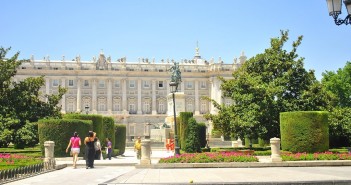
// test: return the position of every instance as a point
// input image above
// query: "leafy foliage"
(269, 83)
(339, 84)
(20, 103)
(340, 127)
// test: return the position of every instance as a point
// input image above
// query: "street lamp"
(174, 87)
(334, 8)
(86, 109)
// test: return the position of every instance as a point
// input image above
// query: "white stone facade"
(133, 93)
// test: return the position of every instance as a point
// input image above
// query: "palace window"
(203, 84)
(55, 83)
(203, 108)
(160, 84)
(161, 108)
(132, 109)
(131, 83)
(86, 83)
(117, 106)
(146, 84)
(189, 85)
(146, 107)
(70, 83)
(101, 83)
(117, 84)
(190, 107)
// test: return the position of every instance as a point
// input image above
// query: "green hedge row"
(304, 131)
(120, 135)
(97, 121)
(183, 124)
(108, 130)
(60, 131)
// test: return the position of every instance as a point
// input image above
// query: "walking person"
(137, 147)
(74, 143)
(89, 149)
(109, 148)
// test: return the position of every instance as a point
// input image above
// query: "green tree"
(20, 103)
(339, 84)
(269, 83)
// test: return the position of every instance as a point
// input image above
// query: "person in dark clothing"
(89, 149)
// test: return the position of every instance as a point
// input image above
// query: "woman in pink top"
(75, 149)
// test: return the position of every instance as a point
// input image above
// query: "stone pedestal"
(240, 143)
(235, 144)
(179, 103)
(275, 148)
(49, 159)
(145, 152)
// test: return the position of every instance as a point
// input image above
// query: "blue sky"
(170, 29)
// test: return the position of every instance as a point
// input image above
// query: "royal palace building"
(134, 93)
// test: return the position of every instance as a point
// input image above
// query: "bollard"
(275, 148)
(145, 152)
(49, 159)
(240, 143)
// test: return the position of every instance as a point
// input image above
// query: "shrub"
(315, 156)
(192, 141)
(27, 136)
(304, 131)
(60, 131)
(97, 121)
(108, 129)
(210, 157)
(216, 133)
(183, 124)
(340, 127)
(120, 138)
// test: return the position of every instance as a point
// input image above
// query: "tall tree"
(20, 103)
(269, 83)
(339, 84)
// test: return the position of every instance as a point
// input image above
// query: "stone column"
(109, 96)
(197, 112)
(63, 100)
(79, 95)
(49, 159)
(275, 148)
(124, 95)
(94, 96)
(139, 98)
(145, 152)
(153, 106)
(47, 87)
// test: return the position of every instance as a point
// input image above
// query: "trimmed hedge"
(183, 124)
(97, 121)
(60, 131)
(120, 138)
(192, 141)
(304, 131)
(108, 129)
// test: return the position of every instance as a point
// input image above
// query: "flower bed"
(316, 156)
(210, 157)
(10, 161)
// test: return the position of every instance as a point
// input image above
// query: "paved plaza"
(122, 170)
